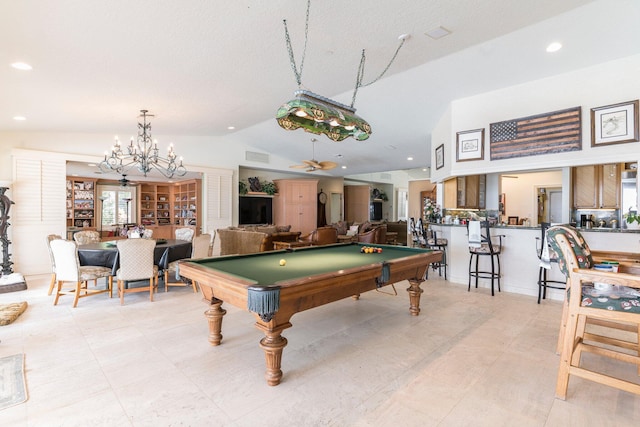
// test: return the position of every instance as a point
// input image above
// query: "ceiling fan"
(124, 182)
(314, 165)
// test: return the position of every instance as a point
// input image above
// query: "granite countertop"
(582, 230)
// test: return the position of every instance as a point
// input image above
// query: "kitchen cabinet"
(597, 186)
(465, 192)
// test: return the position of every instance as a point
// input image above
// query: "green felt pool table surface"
(264, 268)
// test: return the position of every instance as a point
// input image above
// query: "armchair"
(610, 300)
(321, 236)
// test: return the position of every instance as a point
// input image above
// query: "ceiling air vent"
(385, 175)
(256, 157)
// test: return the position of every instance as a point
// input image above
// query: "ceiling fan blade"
(313, 163)
(328, 165)
(299, 166)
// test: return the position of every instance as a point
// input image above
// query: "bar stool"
(480, 244)
(546, 260)
(438, 244)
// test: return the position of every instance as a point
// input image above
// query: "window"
(118, 206)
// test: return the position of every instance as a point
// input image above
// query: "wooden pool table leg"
(414, 296)
(273, 343)
(214, 316)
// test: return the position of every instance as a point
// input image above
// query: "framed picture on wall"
(614, 124)
(470, 145)
(440, 156)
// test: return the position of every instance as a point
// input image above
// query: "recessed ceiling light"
(438, 33)
(409, 158)
(424, 169)
(344, 167)
(554, 47)
(21, 66)
(231, 127)
(19, 118)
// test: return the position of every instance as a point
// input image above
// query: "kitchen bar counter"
(522, 227)
(519, 259)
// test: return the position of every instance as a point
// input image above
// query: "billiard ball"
(283, 262)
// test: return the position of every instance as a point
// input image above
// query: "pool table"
(310, 277)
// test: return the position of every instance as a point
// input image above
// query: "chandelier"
(142, 155)
(320, 115)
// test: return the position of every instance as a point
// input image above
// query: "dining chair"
(51, 237)
(68, 269)
(607, 299)
(184, 234)
(86, 236)
(200, 248)
(136, 264)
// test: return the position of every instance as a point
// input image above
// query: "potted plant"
(242, 188)
(269, 188)
(632, 219)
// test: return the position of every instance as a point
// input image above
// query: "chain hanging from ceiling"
(319, 115)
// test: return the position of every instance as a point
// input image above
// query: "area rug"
(10, 312)
(12, 282)
(13, 389)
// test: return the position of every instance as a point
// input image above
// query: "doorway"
(549, 202)
(336, 208)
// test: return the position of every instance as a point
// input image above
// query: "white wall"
(600, 85)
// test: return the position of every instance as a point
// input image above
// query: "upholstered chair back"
(200, 246)
(325, 236)
(381, 234)
(136, 259)
(86, 236)
(50, 238)
(579, 248)
(185, 234)
(65, 258)
(367, 237)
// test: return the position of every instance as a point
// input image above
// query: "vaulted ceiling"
(204, 65)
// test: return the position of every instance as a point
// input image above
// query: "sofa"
(252, 239)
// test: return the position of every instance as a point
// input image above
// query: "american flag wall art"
(555, 132)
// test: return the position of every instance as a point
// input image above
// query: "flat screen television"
(255, 210)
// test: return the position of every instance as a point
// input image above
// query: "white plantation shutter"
(218, 201)
(38, 191)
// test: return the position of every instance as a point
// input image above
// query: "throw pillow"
(283, 228)
(268, 230)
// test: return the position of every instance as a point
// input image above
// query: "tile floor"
(468, 359)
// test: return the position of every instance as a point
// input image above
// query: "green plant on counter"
(242, 188)
(631, 217)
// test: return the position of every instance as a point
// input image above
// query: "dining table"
(105, 253)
